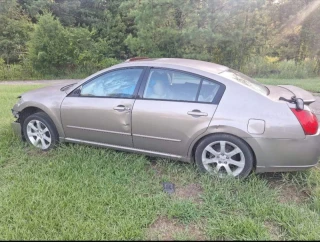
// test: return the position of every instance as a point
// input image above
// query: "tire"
(40, 131)
(237, 155)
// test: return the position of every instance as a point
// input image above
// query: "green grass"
(311, 84)
(77, 192)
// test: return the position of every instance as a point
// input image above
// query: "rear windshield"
(245, 80)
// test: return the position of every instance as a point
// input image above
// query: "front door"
(100, 110)
(174, 108)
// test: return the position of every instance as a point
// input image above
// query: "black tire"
(45, 120)
(248, 155)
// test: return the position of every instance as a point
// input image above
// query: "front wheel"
(40, 131)
(224, 154)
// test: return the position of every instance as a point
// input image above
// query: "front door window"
(117, 84)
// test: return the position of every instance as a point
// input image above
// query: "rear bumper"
(277, 155)
(16, 129)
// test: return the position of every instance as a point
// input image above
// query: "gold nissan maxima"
(183, 109)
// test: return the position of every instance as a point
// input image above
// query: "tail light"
(308, 121)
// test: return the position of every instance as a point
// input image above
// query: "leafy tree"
(87, 33)
(14, 31)
(48, 48)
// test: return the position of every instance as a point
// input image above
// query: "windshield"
(245, 80)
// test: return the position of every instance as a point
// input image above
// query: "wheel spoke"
(47, 138)
(217, 168)
(210, 161)
(31, 125)
(38, 125)
(222, 147)
(35, 141)
(236, 163)
(211, 151)
(228, 169)
(234, 152)
(43, 143)
(31, 133)
(45, 130)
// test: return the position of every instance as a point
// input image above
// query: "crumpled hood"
(49, 96)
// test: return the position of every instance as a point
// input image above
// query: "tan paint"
(164, 128)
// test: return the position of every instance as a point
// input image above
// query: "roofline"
(136, 59)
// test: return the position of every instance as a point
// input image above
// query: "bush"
(25, 71)
(48, 47)
(57, 51)
(266, 67)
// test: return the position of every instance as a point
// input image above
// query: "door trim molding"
(98, 130)
(153, 137)
(122, 148)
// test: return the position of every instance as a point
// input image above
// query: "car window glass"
(208, 91)
(120, 83)
(245, 80)
(171, 85)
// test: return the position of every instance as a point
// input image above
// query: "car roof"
(196, 64)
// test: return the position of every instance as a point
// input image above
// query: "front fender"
(52, 110)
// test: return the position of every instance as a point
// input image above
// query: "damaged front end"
(16, 125)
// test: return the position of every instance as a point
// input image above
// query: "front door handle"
(122, 108)
(197, 112)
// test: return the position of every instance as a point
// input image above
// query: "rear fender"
(217, 129)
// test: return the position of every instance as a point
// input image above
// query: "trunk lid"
(287, 91)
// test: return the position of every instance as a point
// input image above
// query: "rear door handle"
(197, 112)
(122, 108)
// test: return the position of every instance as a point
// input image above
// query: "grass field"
(312, 84)
(78, 192)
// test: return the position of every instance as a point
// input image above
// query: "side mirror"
(77, 92)
(299, 104)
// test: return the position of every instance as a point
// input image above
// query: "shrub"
(49, 45)
(266, 67)
(25, 71)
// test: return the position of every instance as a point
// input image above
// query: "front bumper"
(16, 126)
(280, 155)
(16, 129)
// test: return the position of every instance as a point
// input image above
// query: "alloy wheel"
(223, 158)
(39, 134)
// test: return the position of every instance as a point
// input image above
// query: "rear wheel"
(224, 155)
(40, 131)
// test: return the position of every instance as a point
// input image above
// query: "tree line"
(81, 36)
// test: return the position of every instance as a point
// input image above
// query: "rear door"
(100, 110)
(173, 107)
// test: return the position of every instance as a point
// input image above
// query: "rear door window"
(173, 85)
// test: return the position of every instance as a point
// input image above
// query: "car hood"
(49, 96)
(61, 88)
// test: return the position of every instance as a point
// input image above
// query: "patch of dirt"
(38, 152)
(274, 230)
(155, 167)
(290, 193)
(166, 229)
(191, 191)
